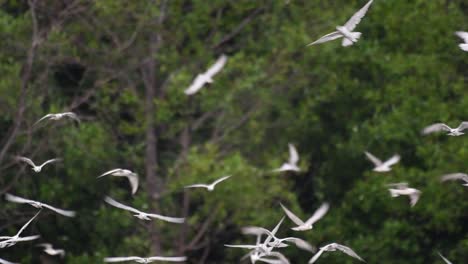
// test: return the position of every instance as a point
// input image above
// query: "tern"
(346, 31)
(464, 37)
(9, 241)
(334, 247)
(382, 166)
(209, 187)
(2, 261)
(446, 260)
(403, 189)
(131, 176)
(307, 225)
(438, 127)
(34, 167)
(206, 77)
(59, 116)
(455, 176)
(16, 199)
(291, 165)
(145, 260)
(49, 249)
(142, 215)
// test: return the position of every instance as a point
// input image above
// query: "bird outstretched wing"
(292, 216)
(357, 17)
(329, 37)
(437, 127)
(114, 203)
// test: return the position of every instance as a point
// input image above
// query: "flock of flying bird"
(261, 251)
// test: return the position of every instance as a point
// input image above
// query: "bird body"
(131, 176)
(438, 127)
(206, 77)
(403, 189)
(16, 199)
(307, 225)
(49, 249)
(142, 215)
(334, 247)
(209, 187)
(34, 167)
(58, 116)
(382, 166)
(346, 31)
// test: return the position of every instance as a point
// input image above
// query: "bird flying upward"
(335, 247)
(59, 116)
(9, 241)
(438, 127)
(34, 167)
(454, 177)
(403, 189)
(209, 187)
(382, 166)
(291, 165)
(142, 215)
(307, 225)
(131, 176)
(16, 199)
(206, 77)
(346, 31)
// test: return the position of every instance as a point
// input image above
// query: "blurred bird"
(206, 77)
(145, 260)
(131, 176)
(446, 260)
(16, 199)
(2, 261)
(307, 225)
(403, 189)
(291, 165)
(382, 166)
(464, 37)
(334, 247)
(59, 116)
(9, 241)
(141, 215)
(34, 167)
(49, 249)
(346, 31)
(209, 187)
(438, 127)
(455, 176)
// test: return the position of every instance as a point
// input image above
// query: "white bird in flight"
(438, 127)
(145, 260)
(16, 199)
(49, 249)
(446, 260)
(142, 215)
(382, 166)
(131, 176)
(59, 116)
(334, 247)
(291, 165)
(403, 189)
(464, 37)
(346, 31)
(455, 176)
(307, 225)
(209, 187)
(206, 77)
(9, 241)
(34, 167)
(2, 261)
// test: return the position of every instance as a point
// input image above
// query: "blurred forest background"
(122, 66)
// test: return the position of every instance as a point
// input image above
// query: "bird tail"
(464, 47)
